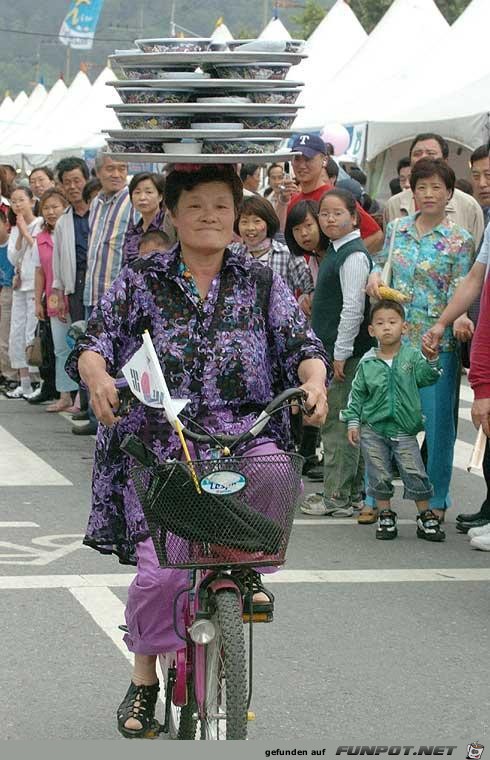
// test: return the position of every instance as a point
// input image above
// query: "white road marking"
(395, 575)
(17, 524)
(107, 610)
(45, 549)
(19, 466)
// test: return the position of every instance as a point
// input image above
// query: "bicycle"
(211, 517)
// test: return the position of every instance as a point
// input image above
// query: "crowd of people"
(66, 234)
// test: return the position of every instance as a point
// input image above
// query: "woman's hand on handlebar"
(316, 401)
(104, 398)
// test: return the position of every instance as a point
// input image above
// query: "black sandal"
(259, 608)
(139, 703)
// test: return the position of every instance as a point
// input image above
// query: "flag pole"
(171, 416)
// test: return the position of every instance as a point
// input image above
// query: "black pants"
(47, 370)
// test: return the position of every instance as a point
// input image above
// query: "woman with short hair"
(229, 336)
(146, 192)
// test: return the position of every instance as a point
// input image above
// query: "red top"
(480, 348)
(367, 225)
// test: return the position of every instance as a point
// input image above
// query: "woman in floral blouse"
(146, 193)
(431, 255)
(230, 336)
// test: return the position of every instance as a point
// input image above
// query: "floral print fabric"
(230, 354)
(427, 270)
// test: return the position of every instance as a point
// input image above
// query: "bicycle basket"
(242, 516)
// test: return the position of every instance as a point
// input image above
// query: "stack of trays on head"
(187, 97)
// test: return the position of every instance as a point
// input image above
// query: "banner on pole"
(78, 28)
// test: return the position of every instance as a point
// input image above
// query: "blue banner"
(79, 25)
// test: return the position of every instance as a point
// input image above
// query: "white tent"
(348, 100)
(457, 106)
(335, 40)
(5, 109)
(221, 33)
(275, 30)
(95, 116)
(17, 106)
(27, 134)
(60, 121)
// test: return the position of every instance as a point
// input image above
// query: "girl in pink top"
(52, 205)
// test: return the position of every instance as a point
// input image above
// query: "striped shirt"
(293, 269)
(108, 221)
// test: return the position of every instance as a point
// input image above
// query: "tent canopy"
(221, 33)
(335, 40)
(275, 30)
(381, 59)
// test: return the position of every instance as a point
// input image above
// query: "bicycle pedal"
(154, 731)
(258, 617)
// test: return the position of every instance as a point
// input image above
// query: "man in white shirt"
(462, 208)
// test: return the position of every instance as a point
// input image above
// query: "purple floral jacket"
(230, 355)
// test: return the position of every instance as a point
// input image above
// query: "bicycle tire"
(226, 673)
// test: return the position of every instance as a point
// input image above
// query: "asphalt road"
(370, 640)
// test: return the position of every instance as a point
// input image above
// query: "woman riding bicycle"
(229, 336)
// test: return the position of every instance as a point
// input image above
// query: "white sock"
(26, 386)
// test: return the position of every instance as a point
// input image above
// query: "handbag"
(34, 354)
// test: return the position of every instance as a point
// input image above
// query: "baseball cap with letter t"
(308, 145)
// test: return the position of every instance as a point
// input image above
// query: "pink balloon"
(338, 135)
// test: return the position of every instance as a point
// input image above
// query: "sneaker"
(16, 393)
(339, 511)
(429, 527)
(481, 542)
(386, 529)
(33, 395)
(314, 504)
(484, 530)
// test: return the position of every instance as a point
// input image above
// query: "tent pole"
(67, 64)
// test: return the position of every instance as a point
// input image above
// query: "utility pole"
(67, 65)
(266, 13)
(172, 20)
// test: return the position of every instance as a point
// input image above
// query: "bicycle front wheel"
(226, 673)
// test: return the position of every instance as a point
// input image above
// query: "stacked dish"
(183, 97)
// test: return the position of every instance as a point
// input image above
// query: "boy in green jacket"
(384, 415)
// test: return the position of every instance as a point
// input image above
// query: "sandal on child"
(139, 703)
(367, 516)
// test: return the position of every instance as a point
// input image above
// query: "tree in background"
(369, 12)
(309, 18)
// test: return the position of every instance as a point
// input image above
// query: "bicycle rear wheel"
(226, 673)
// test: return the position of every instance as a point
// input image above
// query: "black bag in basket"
(173, 503)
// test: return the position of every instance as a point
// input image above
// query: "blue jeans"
(379, 453)
(438, 403)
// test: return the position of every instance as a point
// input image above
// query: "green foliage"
(369, 12)
(309, 18)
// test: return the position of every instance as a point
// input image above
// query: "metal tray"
(207, 84)
(200, 158)
(205, 57)
(162, 135)
(187, 109)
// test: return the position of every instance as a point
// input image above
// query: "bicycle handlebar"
(136, 448)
